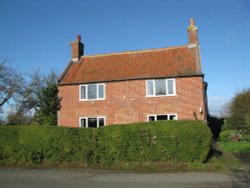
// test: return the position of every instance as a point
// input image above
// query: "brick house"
(133, 86)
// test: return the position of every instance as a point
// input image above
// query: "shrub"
(8, 143)
(184, 141)
(227, 127)
(225, 135)
(239, 115)
(231, 135)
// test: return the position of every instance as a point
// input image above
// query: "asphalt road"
(56, 178)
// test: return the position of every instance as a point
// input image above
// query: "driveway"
(56, 178)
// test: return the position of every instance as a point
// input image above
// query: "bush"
(226, 127)
(231, 135)
(239, 115)
(225, 135)
(185, 141)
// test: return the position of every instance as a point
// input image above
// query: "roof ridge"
(136, 51)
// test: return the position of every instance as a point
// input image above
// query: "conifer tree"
(49, 104)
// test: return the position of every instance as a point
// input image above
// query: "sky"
(36, 35)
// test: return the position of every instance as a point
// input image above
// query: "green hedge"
(185, 141)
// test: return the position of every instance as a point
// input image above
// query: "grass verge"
(236, 147)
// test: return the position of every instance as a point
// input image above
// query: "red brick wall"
(126, 102)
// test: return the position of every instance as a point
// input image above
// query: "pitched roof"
(144, 64)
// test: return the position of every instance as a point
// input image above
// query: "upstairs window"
(92, 92)
(92, 122)
(162, 117)
(160, 87)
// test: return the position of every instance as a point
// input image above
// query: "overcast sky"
(36, 34)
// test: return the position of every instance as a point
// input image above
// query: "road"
(56, 178)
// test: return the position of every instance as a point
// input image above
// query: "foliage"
(2, 121)
(18, 118)
(40, 96)
(38, 82)
(227, 126)
(231, 135)
(48, 105)
(239, 115)
(235, 141)
(225, 135)
(11, 83)
(236, 147)
(144, 143)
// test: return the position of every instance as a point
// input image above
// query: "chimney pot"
(192, 22)
(79, 38)
(192, 32)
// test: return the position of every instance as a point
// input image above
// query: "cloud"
(217, 104)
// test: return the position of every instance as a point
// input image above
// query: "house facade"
(133, 86)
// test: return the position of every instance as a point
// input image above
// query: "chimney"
(192, 32)
(77, 48)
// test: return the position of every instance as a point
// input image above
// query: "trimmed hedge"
(185, 141)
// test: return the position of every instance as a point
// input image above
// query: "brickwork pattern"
(126, 102)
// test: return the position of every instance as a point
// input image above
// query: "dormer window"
(160, 87)
(92, 92)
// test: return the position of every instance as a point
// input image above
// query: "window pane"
(162, 117)
(172, 117)
(170, 87)
(92, 92)
(83, 122)
(92, 122)
(83, 92)
(160, 87)
(151, 118)
(150, 87)
(101, 91)
(101, 122)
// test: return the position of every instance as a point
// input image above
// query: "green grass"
(235, 154)
(235, 147)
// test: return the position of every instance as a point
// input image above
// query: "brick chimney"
(192, 32)
(77, 48)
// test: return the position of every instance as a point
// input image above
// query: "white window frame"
(155, 116)
(154, 89)
(97, 92)
(86, 119)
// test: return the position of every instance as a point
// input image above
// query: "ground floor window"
(162, 117)
(92, 122)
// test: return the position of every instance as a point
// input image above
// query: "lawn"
(235, 147)
(236, 155)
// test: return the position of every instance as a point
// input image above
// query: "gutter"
(130, 79)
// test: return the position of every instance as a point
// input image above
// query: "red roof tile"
(144, 64)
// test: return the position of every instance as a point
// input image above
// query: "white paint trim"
(192, 45)
(150, 115)
(98, 120)
(97, 92)
(154, 90)
(75, 59)
(155, 116)
(174, 86)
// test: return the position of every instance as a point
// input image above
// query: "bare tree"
(30, 96)
(225, 111)
(11, 83)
